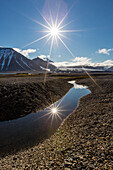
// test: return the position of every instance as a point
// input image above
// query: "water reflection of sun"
(54, 110)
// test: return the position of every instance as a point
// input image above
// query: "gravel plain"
(83, 141)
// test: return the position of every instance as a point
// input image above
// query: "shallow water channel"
(35, 127)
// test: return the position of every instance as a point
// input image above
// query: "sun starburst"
(54, 110)
(55, 31)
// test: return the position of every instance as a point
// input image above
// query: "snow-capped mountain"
(11, 60)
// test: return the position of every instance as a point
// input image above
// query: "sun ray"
(56, 21)
(91, 78)
(52, 23)
(37, 40)
(63, 19)
(63, 26)
(51, 46)
(66, 46)
(69, 31)
(56, 41)
(65, 16)
(46, 41)
(64, 36)
(46, 21)
(43, 25)
(45, 77)
(81, 65)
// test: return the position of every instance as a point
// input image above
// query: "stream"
(35, 127)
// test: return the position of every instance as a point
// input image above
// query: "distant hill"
(81, 69)
(43, 63)
(11, 60)
(110, 69)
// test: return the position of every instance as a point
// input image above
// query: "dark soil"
(21, 96)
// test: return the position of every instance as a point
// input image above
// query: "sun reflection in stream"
(54, 110)
(54, 113)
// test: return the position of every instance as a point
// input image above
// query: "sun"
(54, 31)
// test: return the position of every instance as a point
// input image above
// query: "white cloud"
(17, 49)
(107, 63)
(62, 64)
(84, 61)
(25, 52)
(77, 61)
(104, 51)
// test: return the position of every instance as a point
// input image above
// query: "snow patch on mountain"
(25, 63)
(10, 57)
(6, 54)
(18, 63)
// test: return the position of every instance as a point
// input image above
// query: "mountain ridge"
(11, 60)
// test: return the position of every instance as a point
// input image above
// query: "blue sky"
(93, 44)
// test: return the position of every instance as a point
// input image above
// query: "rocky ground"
(84, 140)
(20, 96)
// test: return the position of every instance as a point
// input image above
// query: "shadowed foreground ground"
(84, 141)
(23, 95)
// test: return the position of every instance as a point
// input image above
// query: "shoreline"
(32, 144)
(83, 141)
(73, 110)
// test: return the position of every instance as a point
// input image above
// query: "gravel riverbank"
(84, 140)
